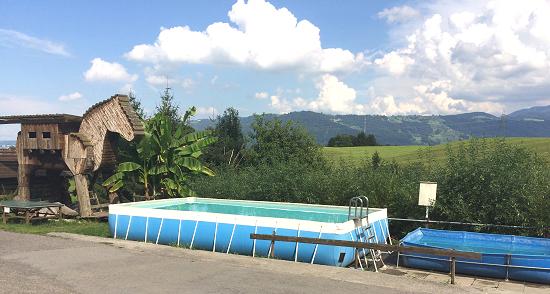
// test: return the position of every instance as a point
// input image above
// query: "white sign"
(6, 210)
(427, 193)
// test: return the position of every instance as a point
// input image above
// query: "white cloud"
(261, 95)
(466, 57)
(260, 36)
(398, 14)
(15, 38)
(281, 105)
(102, 70)
(335, 96)
(430, 99)
(394, 62)
(159, 80)
(187, 83)
(387, 105)
(206, 112)
(15, 105)
(70, 97)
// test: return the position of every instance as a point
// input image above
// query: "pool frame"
(230, 233)
(521, 267)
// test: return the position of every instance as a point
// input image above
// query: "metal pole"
(272, 247)
(427, 217)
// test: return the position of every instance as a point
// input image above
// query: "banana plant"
(167, 157)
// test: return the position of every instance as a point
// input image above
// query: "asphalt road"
(78, 264)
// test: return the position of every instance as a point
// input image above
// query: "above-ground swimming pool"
(225, 226)
(503, 256)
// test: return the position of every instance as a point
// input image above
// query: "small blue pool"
(225, 226)
(503, 256)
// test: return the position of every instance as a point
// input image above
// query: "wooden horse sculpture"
(91, 147)
(49, 144)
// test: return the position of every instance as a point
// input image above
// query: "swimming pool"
(503, 256)
(223, 225)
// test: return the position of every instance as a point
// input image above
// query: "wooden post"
(59, 212)
(81, 184)
(27, 217)
(453, 269)
(23, 179)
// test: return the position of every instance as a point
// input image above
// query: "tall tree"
(168, 108)
(341, 141)
(228, 149)
(136, 104)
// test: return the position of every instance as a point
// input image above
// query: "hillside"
(407, 154)
(416, 129)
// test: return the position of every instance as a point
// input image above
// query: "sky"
(340, 57)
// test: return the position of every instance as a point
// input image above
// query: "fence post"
(453, 269)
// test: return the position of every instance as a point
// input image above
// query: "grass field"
(92, 228)
(408, 154)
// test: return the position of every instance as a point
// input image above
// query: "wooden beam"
(81, 185)
(374, 246)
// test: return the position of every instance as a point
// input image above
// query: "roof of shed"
(39, 119)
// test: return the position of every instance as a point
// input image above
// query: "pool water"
(276, 210)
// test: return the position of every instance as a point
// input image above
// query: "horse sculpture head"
(114, 115)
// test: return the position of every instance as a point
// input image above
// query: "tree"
(341, 141)
(363, 140)
(274, 141)
(166, 157)
(376, 160)
(371, 140)
(136, 104)
(228, 149)
(168, 108)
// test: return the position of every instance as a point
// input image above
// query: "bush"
(487, 181)
(491, 181)
(274, 141)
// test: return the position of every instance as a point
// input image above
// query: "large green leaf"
(112, 179)
(116, 186)
(196, 146)
(195, 136)
(195, 165)
(158, 170)
(128, 167)
(189, 113)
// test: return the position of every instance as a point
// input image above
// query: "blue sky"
(364, 57)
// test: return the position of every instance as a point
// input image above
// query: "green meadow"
(408, 154)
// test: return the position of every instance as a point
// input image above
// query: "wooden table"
(29, 210)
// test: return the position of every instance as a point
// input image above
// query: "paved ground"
(67, 263)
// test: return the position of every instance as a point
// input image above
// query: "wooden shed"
(8, 171)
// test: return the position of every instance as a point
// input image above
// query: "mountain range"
(414, 129)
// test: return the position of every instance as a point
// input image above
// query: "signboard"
(427, 193)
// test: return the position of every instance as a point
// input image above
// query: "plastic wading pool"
(503, 256)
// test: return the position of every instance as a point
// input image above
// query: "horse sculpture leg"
(81, 184)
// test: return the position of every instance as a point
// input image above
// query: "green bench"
(29, 210)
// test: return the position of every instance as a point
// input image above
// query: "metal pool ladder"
(365, 233)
